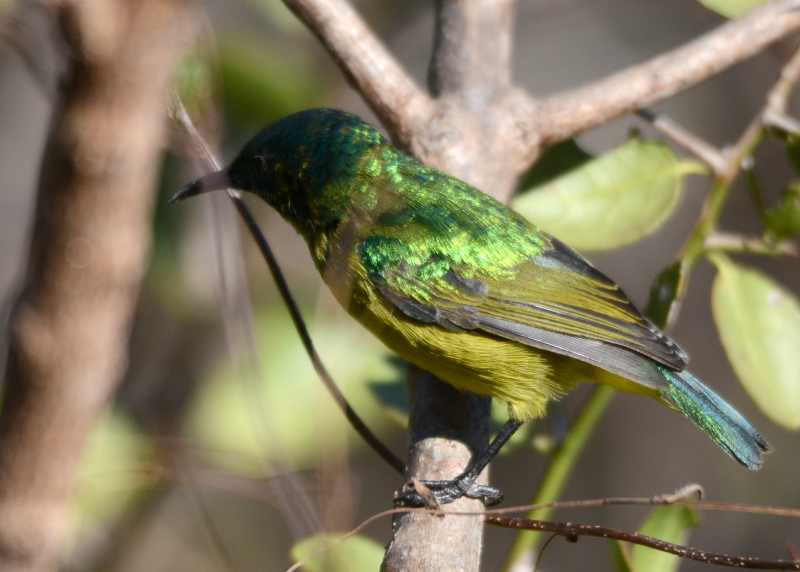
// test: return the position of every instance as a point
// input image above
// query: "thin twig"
(750, 244)
(736, 157)
(379, 78)
(564, 114)
(701, 149)
(677, 498)
(185, 121)
(783, 122)
(572, 531)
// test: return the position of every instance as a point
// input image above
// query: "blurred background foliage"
(189, 471)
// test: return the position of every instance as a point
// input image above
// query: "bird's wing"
(555, 300)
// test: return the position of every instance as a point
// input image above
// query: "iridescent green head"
(293, 162)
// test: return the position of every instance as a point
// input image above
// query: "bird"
(462, 286)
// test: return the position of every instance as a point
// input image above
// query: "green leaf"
(613, 200)
(669, 523)
(284, 411)
(329, 553)
(194, 84)
(259, 86)
(278, 14)
(667, 293)
(793, 151)
(113, 470)
(783, 220)
(759, 323)
(555, 161)
(732, 8)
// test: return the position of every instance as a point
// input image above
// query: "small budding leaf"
(610, 201)
(759, 324)
(666, 294)
(793, 151)
(331, 553)
(783, 220)
(669, 523)
(732, 8)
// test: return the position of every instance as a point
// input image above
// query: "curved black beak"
(215, 181)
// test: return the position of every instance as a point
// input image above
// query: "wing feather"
(557, 302)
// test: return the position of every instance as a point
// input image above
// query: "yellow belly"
(523, 377)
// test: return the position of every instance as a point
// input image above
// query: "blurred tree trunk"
(90, 240)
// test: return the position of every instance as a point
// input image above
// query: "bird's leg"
(444, 492)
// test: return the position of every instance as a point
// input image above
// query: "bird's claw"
(432, 494)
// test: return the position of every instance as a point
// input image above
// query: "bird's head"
(301, 165)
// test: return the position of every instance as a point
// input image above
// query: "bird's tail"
(715, 417)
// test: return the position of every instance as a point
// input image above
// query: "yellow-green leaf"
(669, 523)
(732, 8)
(284, 411)
(613, 200)
(260, 83)
(115, 469)
(667, 293)
(329, 553)
(759, 323)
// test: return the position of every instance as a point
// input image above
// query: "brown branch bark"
(90, 239)
(391, 93)
(447, 426)
(564, 114)
(462, 64)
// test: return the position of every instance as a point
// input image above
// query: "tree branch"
(564, 114)
(684, 496)
(386, 87)
(91, 236)
(707, 153)
(461, 64)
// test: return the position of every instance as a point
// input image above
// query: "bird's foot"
(432, 494)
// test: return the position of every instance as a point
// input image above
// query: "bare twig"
(707, 153)
(185, 121)
(91, 236)
(564, 114)
(783, 122)
(386, 87)
(572, 531)
(749, 244)
(681, 497)
(736, 157)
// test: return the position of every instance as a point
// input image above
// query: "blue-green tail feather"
(715, 417)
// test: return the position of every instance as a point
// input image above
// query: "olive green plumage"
(458, 283)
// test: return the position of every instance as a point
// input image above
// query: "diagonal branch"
(391, 93)
(564, 114)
